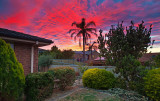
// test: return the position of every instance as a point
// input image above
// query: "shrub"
(38, 86)
(131, 71)
(65, 75)
(12, 78)
(81, 68)
(152, 84)
(98, 79)
(44, 61)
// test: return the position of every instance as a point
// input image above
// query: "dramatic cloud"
(52, 18)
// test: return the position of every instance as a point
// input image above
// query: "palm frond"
(73, 34)
(74, 23)
(79, 33)
(90, 23)
(91, 29)
(88, 35)
(73, 30)
(75, 38)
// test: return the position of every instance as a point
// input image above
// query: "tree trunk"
(83, 47)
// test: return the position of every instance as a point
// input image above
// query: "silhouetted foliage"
(134, 42)
(101, 43)
(56, 53)
(67, 54)
(83, 30)
(91, 47)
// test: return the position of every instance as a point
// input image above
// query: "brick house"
(147, 57)
(25, 47)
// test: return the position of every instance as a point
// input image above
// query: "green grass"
(90, 95)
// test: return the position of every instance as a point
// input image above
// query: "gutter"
(32, 56)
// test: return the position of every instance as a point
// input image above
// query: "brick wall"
(23, 54)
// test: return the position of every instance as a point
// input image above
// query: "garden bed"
(90, 95)
(115, 94)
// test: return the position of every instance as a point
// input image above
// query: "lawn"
(90, 95)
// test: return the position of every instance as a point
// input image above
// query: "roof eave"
(27, 41)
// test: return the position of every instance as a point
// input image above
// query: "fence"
(109, 68)
(65, 62)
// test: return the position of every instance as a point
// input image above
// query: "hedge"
(38, 86)
(65, 75)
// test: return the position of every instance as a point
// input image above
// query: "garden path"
(57, 94)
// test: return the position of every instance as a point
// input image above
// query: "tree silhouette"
(101, 43)
(83, 30)
(91, 46)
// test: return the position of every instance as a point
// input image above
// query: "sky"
(52, 19)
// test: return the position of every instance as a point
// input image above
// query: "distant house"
(147, 57)
(99, 61)
(41, 51)
(25, 47)
(79, 55)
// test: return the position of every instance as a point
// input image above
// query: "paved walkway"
(57, 94)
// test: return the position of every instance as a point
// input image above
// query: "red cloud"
(52, 18)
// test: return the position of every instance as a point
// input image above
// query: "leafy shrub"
(120, 83)
(44, 61)
(12, 78)
(65, 75)
(131, 72)
(152, 84)
(82, 68)
(98, 79)
(38, 86)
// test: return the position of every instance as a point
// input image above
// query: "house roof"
(148, 57)
(13, 34)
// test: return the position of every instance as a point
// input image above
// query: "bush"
(65, 75)
(98, 79)
(44, 61)
(130, 71)
(152, 84)
(38, 86)
(12, 78)
(82, 68)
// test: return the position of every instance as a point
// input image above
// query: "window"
(12, 46)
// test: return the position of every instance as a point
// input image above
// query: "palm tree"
(83, 30)
(91, 46)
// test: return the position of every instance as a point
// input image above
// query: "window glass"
(12, 46)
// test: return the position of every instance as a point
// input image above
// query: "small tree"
(44, 61)
(102, 42)
(12, 78)
(67, 54)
